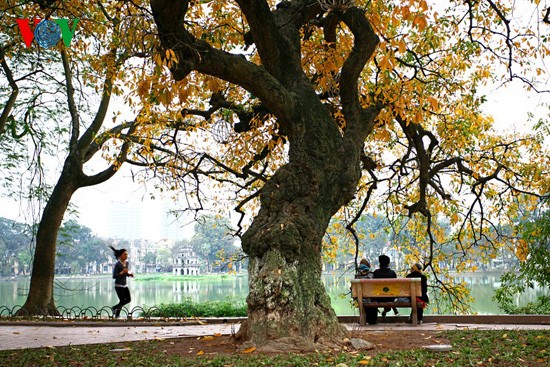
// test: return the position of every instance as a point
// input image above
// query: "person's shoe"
(395, 312)
(384, 315)
(419, 322)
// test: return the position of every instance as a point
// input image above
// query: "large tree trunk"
(288, 307)
(40, 300)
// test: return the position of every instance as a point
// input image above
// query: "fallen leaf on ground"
(249, 350)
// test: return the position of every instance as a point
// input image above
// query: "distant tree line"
(80, 251)
(15, 247)
(379, 235)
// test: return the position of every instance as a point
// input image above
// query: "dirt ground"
(383, 341)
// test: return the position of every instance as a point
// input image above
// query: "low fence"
(84, 313)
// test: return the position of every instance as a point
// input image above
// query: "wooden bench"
(392, 288)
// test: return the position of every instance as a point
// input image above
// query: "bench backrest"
(392, 287)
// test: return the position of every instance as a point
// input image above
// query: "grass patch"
(470, 348)
(189, 308)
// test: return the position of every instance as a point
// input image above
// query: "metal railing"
(137, 313)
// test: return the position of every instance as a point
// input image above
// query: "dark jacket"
(119, 279)
(423, 284)
(384, 273)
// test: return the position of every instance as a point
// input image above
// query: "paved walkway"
(13, 336)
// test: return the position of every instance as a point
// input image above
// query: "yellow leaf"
(405, 12)
(249, 350)
(402, 46)
(208, 338)
(200, 352)
(423, 5)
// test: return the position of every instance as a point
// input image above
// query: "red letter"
(26, 32)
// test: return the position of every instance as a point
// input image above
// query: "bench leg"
(414, 312)
(362, 315)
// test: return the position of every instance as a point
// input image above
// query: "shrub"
(189, 308)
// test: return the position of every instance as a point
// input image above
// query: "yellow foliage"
(522, 250)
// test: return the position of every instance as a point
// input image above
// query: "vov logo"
(47, 32)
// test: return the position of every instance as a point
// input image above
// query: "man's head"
(384, 261)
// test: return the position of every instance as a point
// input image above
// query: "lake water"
(98, 291)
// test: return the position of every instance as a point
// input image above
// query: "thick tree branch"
(359, 122)
(73, 109)
(13, 95)
(271, 46)
(198, 55)
(90, 133)
(218, 101)
(414, 134)
(114, 167)
(101, 139)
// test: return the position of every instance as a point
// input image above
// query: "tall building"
(124, 220)
(173, 227)
(152, 220)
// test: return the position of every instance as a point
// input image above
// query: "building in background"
(186, 262)
(146, 220)
(172, 226)
(124, 221)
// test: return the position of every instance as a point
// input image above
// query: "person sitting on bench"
(416, 272)
(383, 272)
